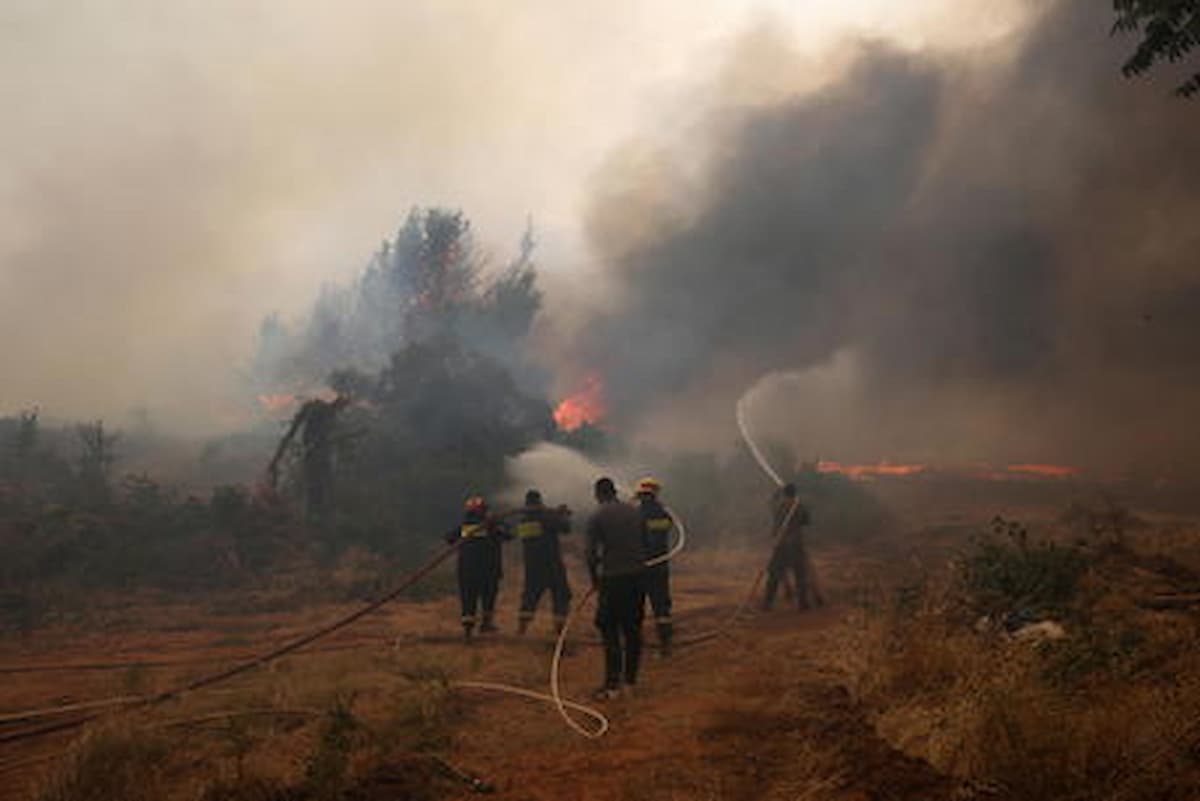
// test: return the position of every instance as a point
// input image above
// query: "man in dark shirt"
(658, 524)
(616, 559)
(538, 528)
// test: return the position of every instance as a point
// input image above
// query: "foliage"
(327, 770)
(1007, 574)
(842, 509)
(111, 765)
(439, 423)
(428, 282)
(1170, 30)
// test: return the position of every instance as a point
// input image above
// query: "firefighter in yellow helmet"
(479, 564)
(658, 525)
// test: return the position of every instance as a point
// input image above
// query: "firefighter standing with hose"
(790, 518)
(616, 559)
(479, 564)
(538, 528)
(658, 523)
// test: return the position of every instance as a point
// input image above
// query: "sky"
(174, 171)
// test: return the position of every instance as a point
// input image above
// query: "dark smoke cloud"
(1002, 246)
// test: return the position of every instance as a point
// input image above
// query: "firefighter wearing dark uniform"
(479, 565)
(616, 560)
(538, 529)
(790, 518)
(658, 524)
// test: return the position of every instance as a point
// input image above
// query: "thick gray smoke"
(994, 257)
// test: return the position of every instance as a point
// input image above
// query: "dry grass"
(322, 729)
(1109, 712)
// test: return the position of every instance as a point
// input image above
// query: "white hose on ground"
(560, 644)
(594, 714)
(555, 690)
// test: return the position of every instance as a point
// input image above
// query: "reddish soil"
(757, 714)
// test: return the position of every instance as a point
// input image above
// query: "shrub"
(1008, 576)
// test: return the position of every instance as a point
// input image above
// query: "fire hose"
(563, 706)
(555, 692)
(242, 667)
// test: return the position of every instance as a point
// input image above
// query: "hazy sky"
(174, 169)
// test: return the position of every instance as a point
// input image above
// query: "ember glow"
(978, 471)
(585, 407)
(867, 471)
(1044, 470)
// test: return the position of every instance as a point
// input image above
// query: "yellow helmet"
(648, 486)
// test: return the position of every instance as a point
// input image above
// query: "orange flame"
(1044, 470)
(867, 471)
(585, 407)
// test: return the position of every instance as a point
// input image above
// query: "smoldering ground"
(993, 254)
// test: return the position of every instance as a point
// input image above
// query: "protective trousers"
(478, 583)
(544, 573)
(619, 619)
(658, 589)
(788, 557)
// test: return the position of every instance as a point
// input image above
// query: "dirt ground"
(759, 713)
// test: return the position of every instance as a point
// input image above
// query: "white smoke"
(561, 474)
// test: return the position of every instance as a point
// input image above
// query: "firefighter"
(538, 529)
(479, 564)
(616, 560)
(658, 524)
(789, 556)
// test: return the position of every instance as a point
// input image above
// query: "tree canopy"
(1170, 31)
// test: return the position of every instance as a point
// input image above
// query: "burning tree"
(437, 423)
(433, 352)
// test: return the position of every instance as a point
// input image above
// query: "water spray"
(739, 411)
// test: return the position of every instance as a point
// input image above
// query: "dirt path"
(753, 716)
(757, 714)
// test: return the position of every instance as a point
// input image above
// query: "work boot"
(468, 632)
(665, 632)
(606, 693)
(489, 625)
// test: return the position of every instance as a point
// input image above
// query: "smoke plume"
(982, 256)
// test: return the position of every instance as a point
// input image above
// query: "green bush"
(1007, 575)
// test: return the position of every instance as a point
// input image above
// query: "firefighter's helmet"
(475, 503)
(648, 486)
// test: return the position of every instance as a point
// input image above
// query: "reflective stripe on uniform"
(658, 524)
(472, 531)
(662, 618)
(525, 615)
(468, 620)
(528, 529)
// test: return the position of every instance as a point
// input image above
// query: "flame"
(983, 471)
(861, 472)
(1044, 470)
(585, 407)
